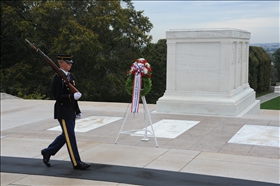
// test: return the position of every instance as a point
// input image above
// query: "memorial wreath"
(139, 66)
(140, 72)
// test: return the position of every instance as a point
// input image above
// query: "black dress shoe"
(82, 166)
(46, 158)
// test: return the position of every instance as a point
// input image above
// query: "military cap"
(65, 57)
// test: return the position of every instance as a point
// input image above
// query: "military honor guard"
(66, 110)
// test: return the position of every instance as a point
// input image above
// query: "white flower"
(147, 64)
(145, 71)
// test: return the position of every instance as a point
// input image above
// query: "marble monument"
(207, 73)
(277, 89)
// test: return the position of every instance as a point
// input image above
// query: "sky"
(260, 18)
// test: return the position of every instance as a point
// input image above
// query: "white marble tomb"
(207, 73)
(277, 89)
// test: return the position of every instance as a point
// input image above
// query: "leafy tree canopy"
(276, 61)
(104, 37)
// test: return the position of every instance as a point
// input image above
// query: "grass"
(273, 104)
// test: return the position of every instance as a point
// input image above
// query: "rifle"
(54, 66)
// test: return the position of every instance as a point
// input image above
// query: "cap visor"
(69, 61)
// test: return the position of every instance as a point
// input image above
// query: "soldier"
(66, 110)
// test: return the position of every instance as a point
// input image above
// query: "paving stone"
(202, 149)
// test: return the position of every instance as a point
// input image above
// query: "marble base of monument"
(277, 89)
(238, 103)
(207, 73)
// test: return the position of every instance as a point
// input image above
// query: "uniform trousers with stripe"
(67, 136)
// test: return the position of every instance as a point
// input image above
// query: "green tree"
(17, 65)
(259, 69)
(274, 75)
(104, 37)
(121, 34)
(155, 54)
(276, 61)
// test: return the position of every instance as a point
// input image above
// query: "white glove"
(79, 116)
(77, 95)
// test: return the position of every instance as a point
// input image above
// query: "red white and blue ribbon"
(137, 84)
(136, 91)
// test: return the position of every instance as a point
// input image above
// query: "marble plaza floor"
(192, 150)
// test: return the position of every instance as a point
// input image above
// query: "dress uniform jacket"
(66, 107)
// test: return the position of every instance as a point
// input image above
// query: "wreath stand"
(148, 122)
